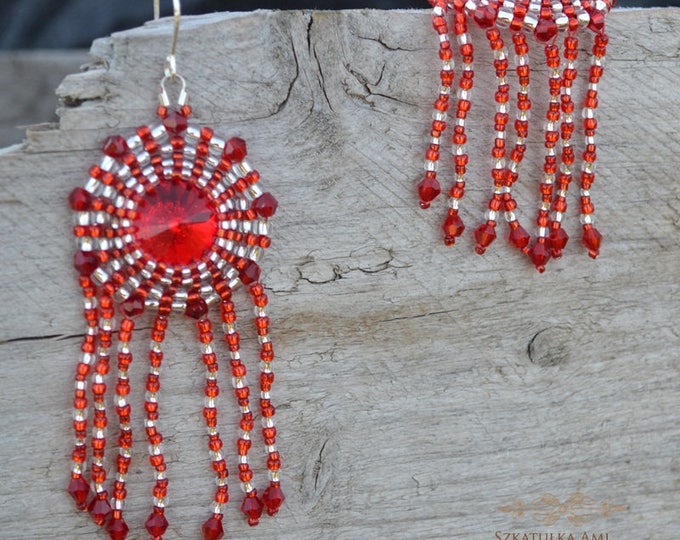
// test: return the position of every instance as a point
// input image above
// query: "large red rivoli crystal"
(176, 223)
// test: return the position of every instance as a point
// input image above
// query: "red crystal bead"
(156, 524)
(428, 190)
(484, 235)
(545, 30)
(519, 238)
(596, 23)
(212, 529)
(592, 240)
(79, 489)
(539, 255)
(196, 308)
(175, 122)
(250, 273)
(273, 498)
(115, 146)
(235, 149)
(80, 199)
(453, 228)
(117, 529)
(176, 223)
(557, 240)
(134, 305)
(484, 16)
(265, 205)
(252, 507)
(99, 509)
(85, 262)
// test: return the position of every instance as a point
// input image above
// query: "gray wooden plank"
(420, 388)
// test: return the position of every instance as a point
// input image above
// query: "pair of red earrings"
(525, 21)
(171, 220)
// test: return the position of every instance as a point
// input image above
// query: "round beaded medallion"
(171, 220)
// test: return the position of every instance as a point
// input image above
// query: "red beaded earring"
(545, 19)
(171, 220)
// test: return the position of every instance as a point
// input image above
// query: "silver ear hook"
(170, 70)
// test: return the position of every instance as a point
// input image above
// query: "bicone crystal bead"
(212, 529)
(80, 199)
(519, 238)
(235, 149)
(428, 190)
(484, 235)
(79, 489)
(453, 227)
(156, 524)
(252, 507)
(591, 240)
(265, 205)
(557, 240)
(117, 529)
(99, 509)
(539, 255)
(115, 146)
(273, 498)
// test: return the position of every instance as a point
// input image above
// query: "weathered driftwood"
(28, 79)
(422, 391)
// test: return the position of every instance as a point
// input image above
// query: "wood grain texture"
(28, 80)
(419, 388)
